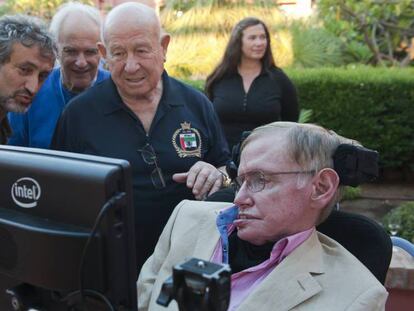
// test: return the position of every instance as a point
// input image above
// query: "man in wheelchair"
(287, 183)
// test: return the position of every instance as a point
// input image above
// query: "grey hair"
(69, 8)
(309, 145)
(26, 30)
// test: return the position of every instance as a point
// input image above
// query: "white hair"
(70, 8)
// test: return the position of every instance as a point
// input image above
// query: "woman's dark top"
(271, 97)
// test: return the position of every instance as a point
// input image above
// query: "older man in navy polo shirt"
(168, 131)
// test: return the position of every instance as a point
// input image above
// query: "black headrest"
(355, 164)
(233, 164)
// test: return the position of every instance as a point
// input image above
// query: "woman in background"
(246, 88)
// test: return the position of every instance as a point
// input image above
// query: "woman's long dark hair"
(232, 55)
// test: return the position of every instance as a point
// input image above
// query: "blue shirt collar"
(227, 216)
(224, 219)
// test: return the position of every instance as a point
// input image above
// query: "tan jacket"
(319, 275)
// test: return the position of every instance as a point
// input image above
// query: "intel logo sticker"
(26, 192)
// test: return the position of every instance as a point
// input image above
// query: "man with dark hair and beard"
(27, 55)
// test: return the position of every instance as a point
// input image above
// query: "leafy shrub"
(314, 47)
(305, 115)
(384, 27)
(351, 193)
(405, 212)
(197, 84)
(371, 105)
(356, 52)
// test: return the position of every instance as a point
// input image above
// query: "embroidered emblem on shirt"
(187, 141)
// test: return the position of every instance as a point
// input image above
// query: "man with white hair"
(76, 29)
(287, 184)
(167, 131)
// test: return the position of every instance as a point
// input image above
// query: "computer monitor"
(66, 231)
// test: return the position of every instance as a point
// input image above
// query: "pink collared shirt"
(244, 282)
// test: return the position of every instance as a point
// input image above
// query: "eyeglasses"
(256, 181)
(149, 156)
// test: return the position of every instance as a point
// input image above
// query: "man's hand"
(202, 177)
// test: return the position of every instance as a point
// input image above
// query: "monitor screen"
(66, 231)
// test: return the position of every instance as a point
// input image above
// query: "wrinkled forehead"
(128, 23)
(84, 29)
(36, 54)
(267, 153)
(125, 31)
(132, 36)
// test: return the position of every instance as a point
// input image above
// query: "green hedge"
(372, 105)
(405, 214)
